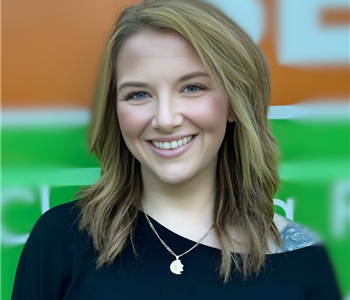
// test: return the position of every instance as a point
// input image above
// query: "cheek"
(131, 121)
(212, 115)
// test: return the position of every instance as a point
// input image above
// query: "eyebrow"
(193, 75)
(182, 78)
(132, 84)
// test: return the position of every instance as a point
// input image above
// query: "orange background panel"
(335, 17)
(296, 84)
(51, 52)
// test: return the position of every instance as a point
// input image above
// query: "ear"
(230, 116)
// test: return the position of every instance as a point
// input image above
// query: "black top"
(58, 262)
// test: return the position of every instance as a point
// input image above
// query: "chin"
(174, 180)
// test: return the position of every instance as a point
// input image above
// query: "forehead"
(164, 52)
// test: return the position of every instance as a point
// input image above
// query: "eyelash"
(199, 86)
(128, 97)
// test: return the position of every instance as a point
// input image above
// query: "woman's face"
(172, 114)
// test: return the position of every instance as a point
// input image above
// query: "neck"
(185, 208)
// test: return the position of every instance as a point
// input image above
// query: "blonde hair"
(247, 177)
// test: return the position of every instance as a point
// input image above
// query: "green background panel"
(46, 166)
(47, 147)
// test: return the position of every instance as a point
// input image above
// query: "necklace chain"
(168, 248)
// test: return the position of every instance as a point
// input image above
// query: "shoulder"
(62, 214)
(58, 222)
(46, 263)
(294, 236)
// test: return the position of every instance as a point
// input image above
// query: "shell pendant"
(176, 266)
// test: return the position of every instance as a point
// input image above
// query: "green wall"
(45, 165)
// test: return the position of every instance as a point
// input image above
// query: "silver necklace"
(176, 266)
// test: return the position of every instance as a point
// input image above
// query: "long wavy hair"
(247, 177)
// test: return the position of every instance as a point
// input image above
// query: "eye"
(192, 88)
(137, 96)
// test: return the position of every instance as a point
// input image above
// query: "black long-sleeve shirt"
(59, 262)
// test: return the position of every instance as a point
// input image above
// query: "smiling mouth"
(173, 144)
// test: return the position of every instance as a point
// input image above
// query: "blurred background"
(50, 57)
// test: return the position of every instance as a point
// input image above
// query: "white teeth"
(172, 144)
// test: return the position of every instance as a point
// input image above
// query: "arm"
(43, 272)
(316, 269)
(323, 285)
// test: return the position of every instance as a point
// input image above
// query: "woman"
(184, 205)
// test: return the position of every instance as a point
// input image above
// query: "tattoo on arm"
(295, 236)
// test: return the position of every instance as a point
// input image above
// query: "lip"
(171, 153)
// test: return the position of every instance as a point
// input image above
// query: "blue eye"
(192, 88)
(137, 96)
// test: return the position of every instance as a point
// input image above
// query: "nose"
(167, 115)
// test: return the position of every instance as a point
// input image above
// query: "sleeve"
(323, 284)
(44, 269)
